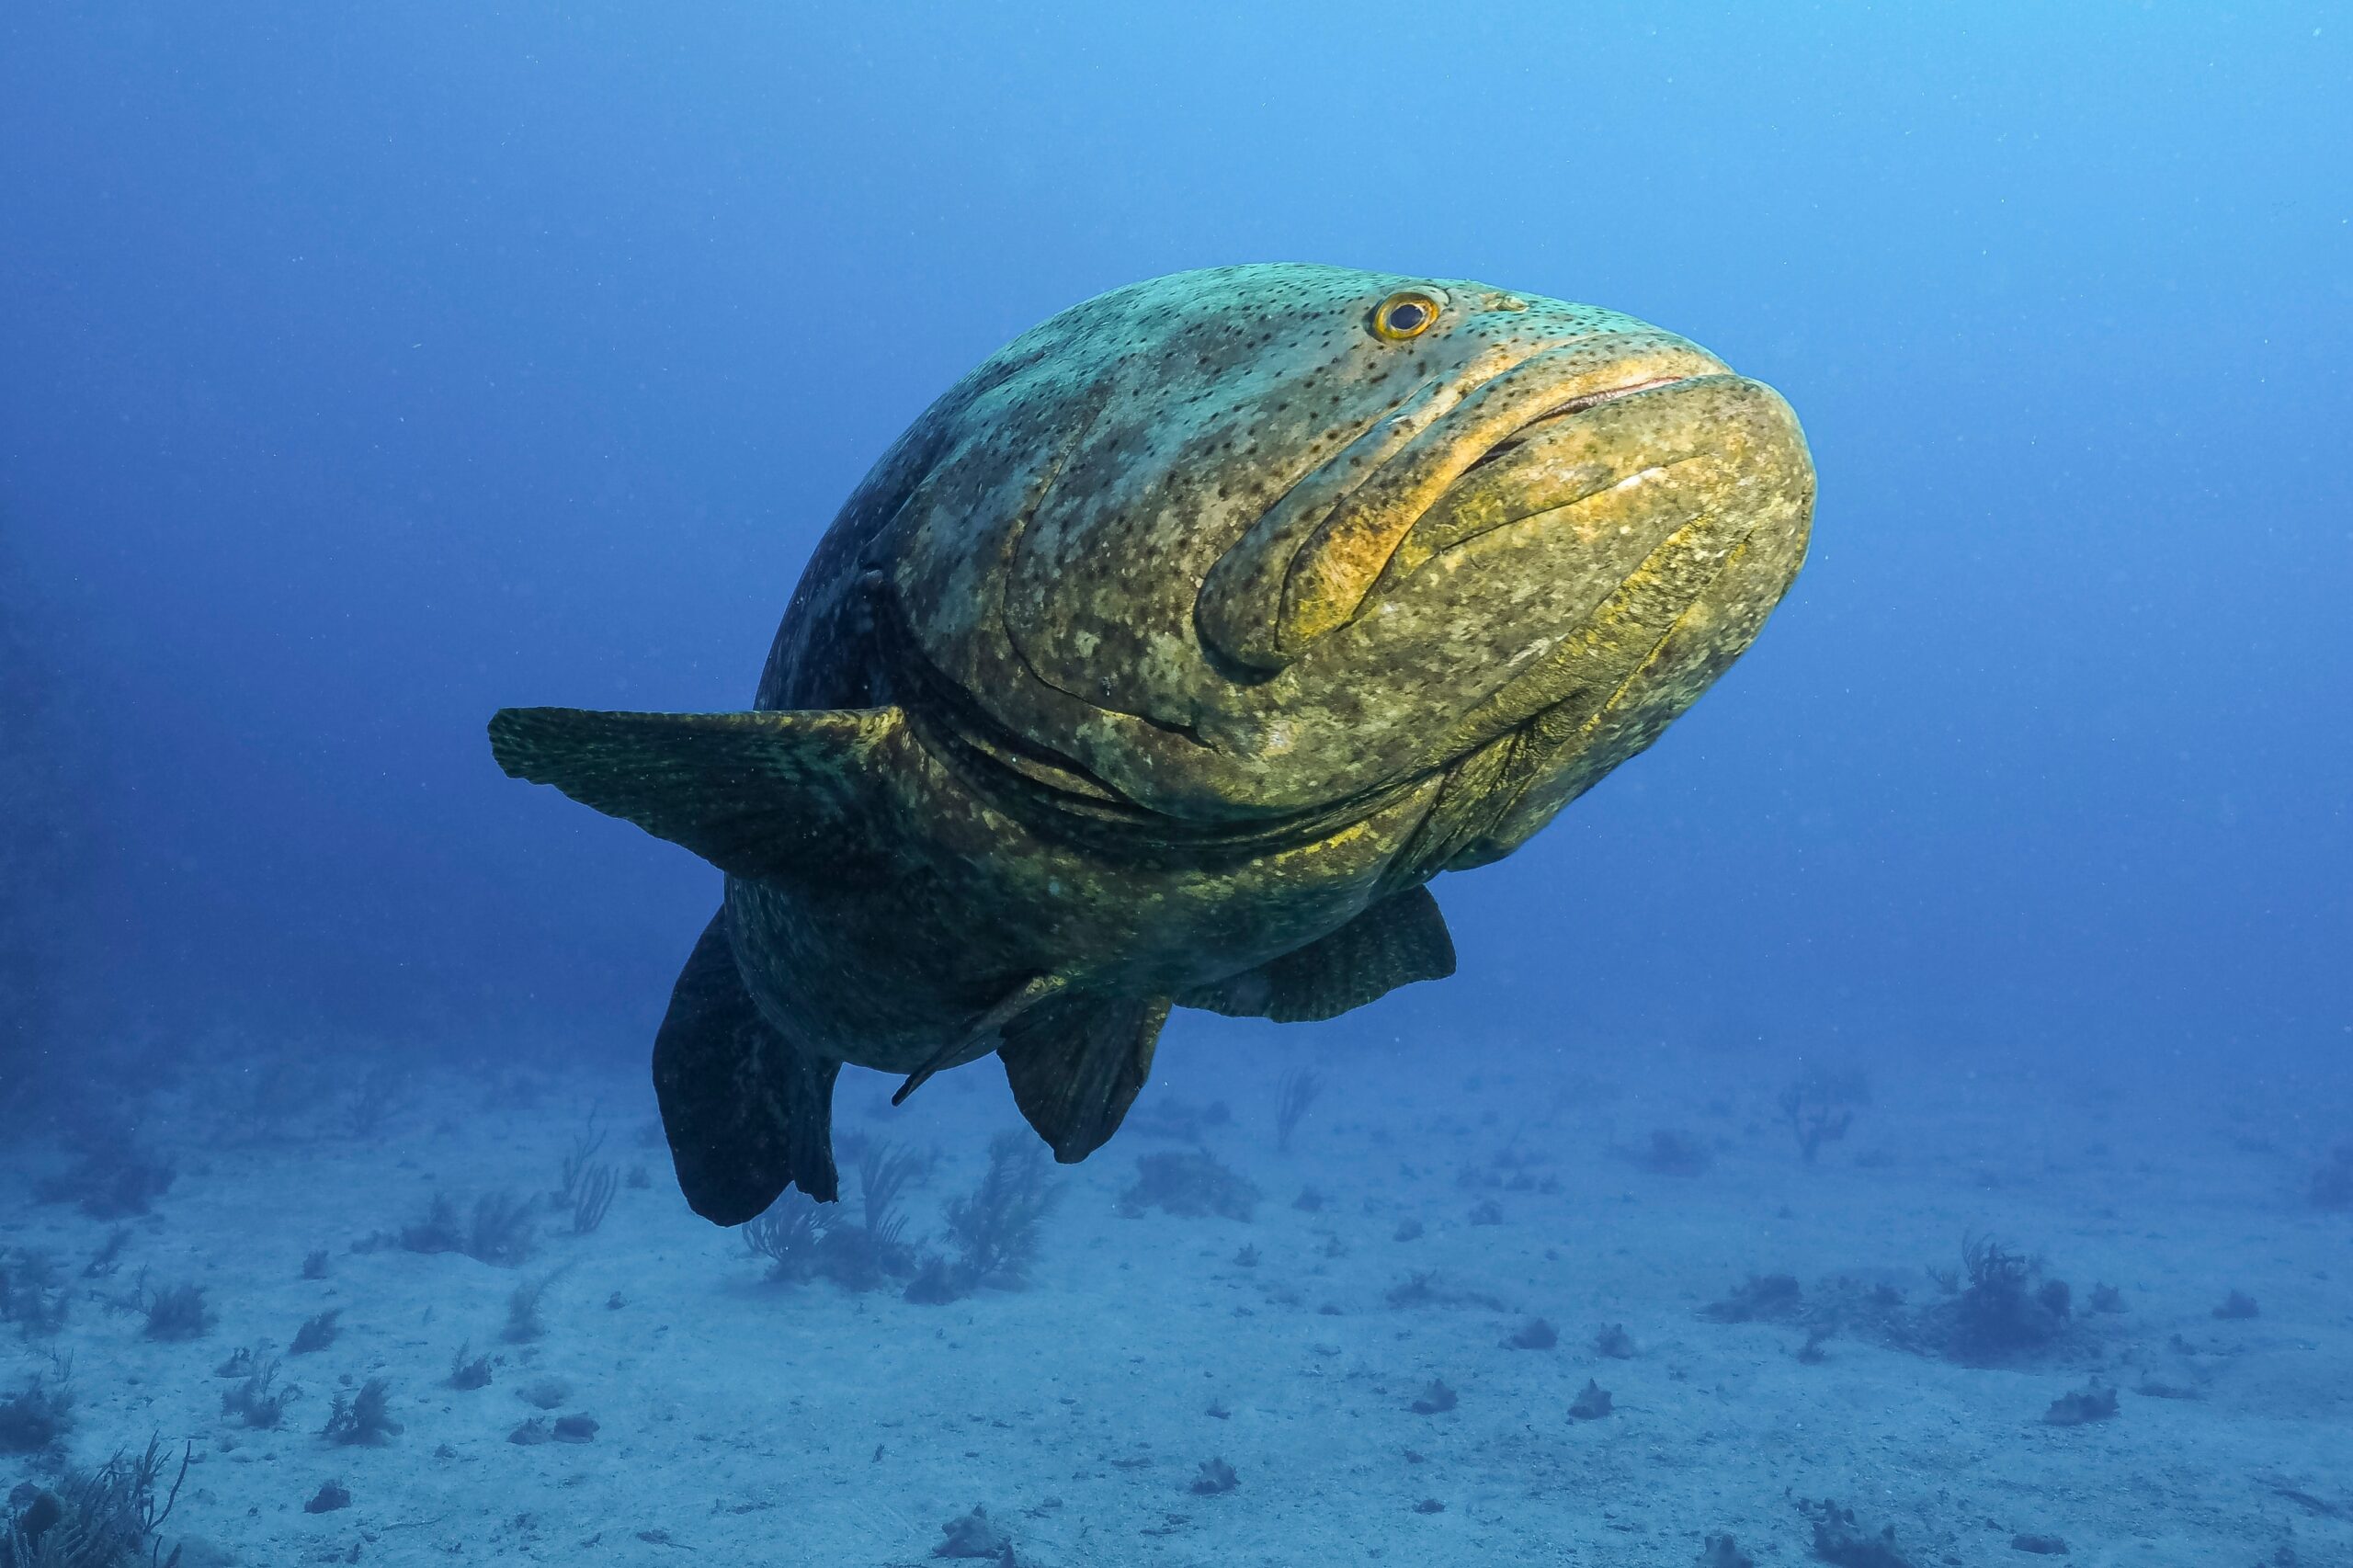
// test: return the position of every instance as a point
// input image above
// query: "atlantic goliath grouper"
(1163, 663)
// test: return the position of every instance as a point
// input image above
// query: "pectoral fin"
(1075, 1064)
(1398, 941)
(757, 794)
(748, 1113)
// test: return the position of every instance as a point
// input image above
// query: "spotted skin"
(1190, 635)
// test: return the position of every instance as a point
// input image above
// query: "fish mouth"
(1565, 460)
(1310, 564)
(1605, 565)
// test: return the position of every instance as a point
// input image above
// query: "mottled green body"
(1199, 627)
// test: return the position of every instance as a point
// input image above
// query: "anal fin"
(1398, 941)
(1076, 1063)
(748, 1113)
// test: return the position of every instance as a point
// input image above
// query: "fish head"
(1253, 542)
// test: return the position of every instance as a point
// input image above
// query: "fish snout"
(1610, 479)
(1577, 585)
(1672, 557)
(1310, 566)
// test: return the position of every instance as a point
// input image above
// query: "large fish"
(1161, 662)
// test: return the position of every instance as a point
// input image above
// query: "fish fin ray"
(1076, 1064)
(774, 795)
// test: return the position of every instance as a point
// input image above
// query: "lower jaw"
(1592, 665)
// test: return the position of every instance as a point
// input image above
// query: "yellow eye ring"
(1408, 313)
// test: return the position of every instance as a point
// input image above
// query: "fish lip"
(1579, 404)
(1570, 407)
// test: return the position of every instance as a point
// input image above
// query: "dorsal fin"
(1398, 941)
(770, 795)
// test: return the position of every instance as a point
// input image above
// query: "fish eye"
(1404, 316)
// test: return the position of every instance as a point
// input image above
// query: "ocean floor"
(1326, 1375)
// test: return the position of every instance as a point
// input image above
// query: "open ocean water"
(1904, 1116)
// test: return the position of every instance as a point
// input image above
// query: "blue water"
(364, 369)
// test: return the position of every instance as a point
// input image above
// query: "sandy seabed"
(739, 1420)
